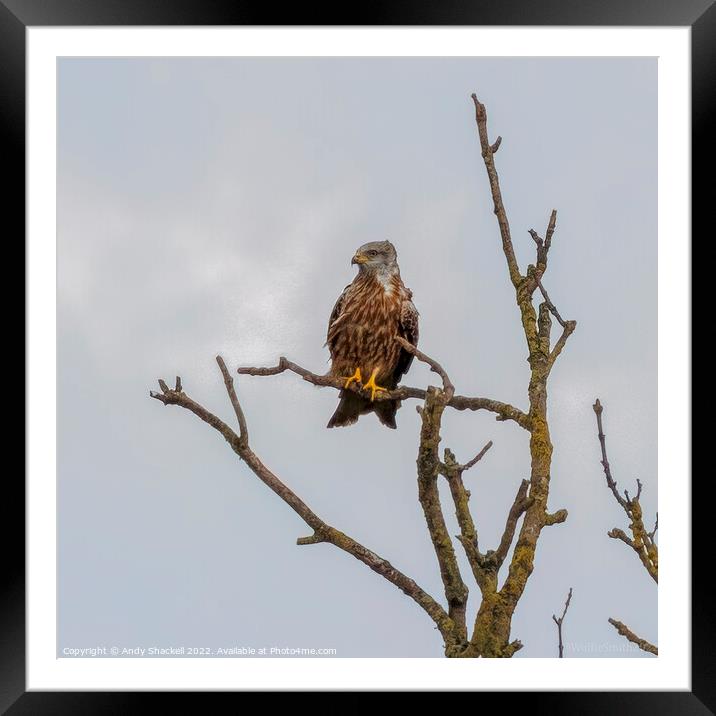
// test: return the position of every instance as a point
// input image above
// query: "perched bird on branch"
(368, 315)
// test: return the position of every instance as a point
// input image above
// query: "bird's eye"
(372, 252)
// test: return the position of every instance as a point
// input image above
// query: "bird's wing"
(334, 320)
(408, 329)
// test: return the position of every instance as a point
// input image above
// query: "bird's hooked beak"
(359, 259)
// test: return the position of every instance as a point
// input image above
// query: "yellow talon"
(374, 387)
(350, 379)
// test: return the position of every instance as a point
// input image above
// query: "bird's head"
(376, 256)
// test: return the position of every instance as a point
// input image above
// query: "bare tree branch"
(616, 533)
(511, 648)
(429, 466)
(468, 532)
(519, 506)
(627, 633)
(569, 327)
(448, 388)
(499, 207)
(504, 411)
(543, 247)
(322, 532)
(477, 458)
(536, 238)
(535, 274)
(558, 622)
(552, 308)
(550, 230)
(611, 484)
(555, 518)
(229, 383)
(642, 541)
(652, 534)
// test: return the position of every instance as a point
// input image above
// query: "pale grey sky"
(213, 205)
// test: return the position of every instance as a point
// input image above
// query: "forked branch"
(642, 541)
(322, 531)
(453, 471)
(559, 621)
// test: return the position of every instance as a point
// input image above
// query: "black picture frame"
(17, 15)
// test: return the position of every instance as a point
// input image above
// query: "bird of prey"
(367, 316)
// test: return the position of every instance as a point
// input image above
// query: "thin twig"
(598, 409)
(543, 247)
(229, 383)
(499, 207)
(652, 534)
(550, 305)
(519, 506)
(550, 230)
(460, 496)
(536, 238)
(448, 387)
(558, 622)
(477, 458)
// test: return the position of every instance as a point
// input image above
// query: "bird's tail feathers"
(350, 406)
(386, 410)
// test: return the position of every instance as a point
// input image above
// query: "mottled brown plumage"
(368, 315)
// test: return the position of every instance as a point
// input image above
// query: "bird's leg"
(351, 378)
(374, 387)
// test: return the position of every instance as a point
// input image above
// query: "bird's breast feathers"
(369, 317)
(377, 299)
